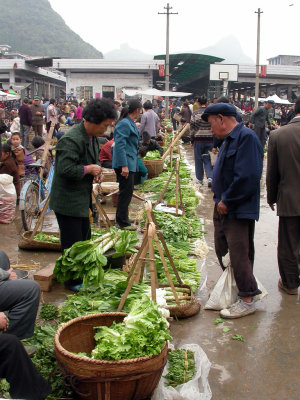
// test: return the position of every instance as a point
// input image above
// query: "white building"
(92, 78)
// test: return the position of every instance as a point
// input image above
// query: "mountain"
(228, 48)
(32, 27)
(125, 52)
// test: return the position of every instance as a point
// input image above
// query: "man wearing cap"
(236, 188)
(37, 113)
(259, 118)
(25, 121)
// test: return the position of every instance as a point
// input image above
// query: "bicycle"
(34, 194)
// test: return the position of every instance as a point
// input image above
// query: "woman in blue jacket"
(124, 161)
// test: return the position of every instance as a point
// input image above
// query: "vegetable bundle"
(181, 367)
(142, 333)
(43, 237)
(152, 155)
(86, 259)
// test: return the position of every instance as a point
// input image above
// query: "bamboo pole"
(173, 143)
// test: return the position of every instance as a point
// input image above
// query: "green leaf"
(225, 330)
(219, 321)
(239, 338)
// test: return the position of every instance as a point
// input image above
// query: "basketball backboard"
(221, 72)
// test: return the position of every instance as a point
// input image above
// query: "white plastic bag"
(196, 389)
(8, 199)
(225, 292)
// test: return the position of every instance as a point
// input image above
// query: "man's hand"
(13, 276)
(272, 207)
(3, 322)
(222, 208)
(93, 169)
(125, 172)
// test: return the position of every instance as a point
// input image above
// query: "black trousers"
(288, 251)
(20, 299)
(261, 134)
(72, 230)
(17, 368)
(237, 237)
(125, 196)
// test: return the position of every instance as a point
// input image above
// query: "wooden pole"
(173, 143)
(46, 149)
(40, 219)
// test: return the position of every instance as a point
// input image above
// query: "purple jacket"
(25, 115)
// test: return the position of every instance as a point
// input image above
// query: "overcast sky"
(106, 24)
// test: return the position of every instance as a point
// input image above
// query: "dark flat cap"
(219, 108)
(271, 101)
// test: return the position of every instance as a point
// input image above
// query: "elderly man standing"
(283, 177)
(37, 113)
(236, 188)
(259, 118)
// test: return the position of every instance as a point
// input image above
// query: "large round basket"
(133, 379)
(187, 309)
(29, 244)
(154, 167)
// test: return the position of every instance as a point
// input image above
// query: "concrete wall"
(98, 80)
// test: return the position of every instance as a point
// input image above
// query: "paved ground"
(265, 366)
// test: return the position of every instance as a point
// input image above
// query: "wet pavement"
(265, 366)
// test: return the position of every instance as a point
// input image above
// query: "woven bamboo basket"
(133, 379)
(109, 176)
(187, 309)
(29, 244)
(154, 167)
(108, 187)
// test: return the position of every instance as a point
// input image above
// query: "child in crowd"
(38, 144)
(142, 173)
(20, 154)
(8, 166)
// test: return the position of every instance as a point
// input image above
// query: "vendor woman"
(126, 138)
(76, 166)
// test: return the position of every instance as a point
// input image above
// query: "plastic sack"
(225, 292)
(8, 199)
(196, 389)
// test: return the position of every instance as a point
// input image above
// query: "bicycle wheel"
(31, 211)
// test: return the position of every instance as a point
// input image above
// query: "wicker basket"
(188, 309)
(109, 176)
(29, 244)
(154, 167)
(108, 187)
(133, 379)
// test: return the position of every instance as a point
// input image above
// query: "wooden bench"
(44, 277)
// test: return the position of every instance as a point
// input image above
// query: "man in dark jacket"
(148, 144)
(25, 121)
(259, 118)
(283, 176)
(236, 188)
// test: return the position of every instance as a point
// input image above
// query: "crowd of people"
(126, 132)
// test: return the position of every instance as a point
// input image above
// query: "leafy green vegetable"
(43, 237)
(181, 367)
(152, 155)
(86, 259)
(219, 321)
(4, 388)
(225, 330)
(142, 333)
(48, 312)
(240, 338)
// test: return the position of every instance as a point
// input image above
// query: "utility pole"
(167, 62)
(258, 12)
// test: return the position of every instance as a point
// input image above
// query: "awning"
(275, 98)
(155, 92)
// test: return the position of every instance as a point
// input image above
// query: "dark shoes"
(287, 290)
(127, 227)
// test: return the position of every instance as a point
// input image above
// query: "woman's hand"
(93, 169)
(125, 172)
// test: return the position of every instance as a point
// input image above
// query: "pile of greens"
(49, 312)
(43, 237)
(45, 361)
(95, 300)
(152, 155)
(142, 333)
(181, 367)
(86, 259)
(179, 229)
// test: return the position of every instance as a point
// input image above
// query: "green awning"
(187, 67)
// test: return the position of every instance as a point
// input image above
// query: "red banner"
(161, 70)
(263, 71)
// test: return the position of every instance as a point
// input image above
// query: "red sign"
(263, 71)
(161, 70)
